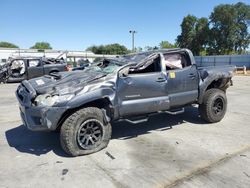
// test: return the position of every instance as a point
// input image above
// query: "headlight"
(49, 100)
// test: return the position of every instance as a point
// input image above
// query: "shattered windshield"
(106, 67)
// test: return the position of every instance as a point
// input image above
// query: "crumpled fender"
(209, 76)
(102, 93)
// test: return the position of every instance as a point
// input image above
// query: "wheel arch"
(214, 106)
(102, 103)
(53, 70)
(221, 83)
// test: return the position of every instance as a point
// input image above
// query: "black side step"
(176, 111)
(136, 121)
(145, 119)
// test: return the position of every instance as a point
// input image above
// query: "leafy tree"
(111, 49)
(224, 33)
(222, 36)
(201, 36)
(229, 32)
(185, 39)
(41, 46)
(138, 49)
(149, 48)
(166, 44)
(242, 35)
(194, 34)
(7, 45)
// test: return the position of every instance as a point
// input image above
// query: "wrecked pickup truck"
(82, 104)
(24, 68)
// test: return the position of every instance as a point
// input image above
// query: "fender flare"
(209, 80)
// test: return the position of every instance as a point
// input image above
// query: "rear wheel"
(54, 72)
(214, 105)
(85, 132)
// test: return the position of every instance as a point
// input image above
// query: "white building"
(69, 56)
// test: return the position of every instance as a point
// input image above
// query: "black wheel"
(4, 78)
(85, 132)
(54, 72)
(214, 105)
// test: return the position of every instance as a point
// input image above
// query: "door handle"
(160, 79)
(192, 76)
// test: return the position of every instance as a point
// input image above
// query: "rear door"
(35, 68)
(143, 92)
(183, 82)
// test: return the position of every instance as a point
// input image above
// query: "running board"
(135, 121)
(178, 111)
(173, 112)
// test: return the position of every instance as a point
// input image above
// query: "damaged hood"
(64, 82)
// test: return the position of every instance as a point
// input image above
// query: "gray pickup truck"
(24, 68)
(82, 104)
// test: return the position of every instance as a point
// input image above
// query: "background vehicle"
(82, 67)
(82, 104)
(4, 74)
(22, 68)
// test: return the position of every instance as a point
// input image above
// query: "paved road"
(168, 151)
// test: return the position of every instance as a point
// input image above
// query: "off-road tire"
(208, 110)
(69, 134)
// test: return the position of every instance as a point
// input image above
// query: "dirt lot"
(168, 151)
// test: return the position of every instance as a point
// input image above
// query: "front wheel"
(214, 105)
(85, 132)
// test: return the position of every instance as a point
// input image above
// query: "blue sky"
(76, 24)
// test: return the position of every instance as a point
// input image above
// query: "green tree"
(149, 48)
(166, 44)
(186, 38)
(229, 32)
(112, 49)
(201, 36)
(242, 34)
(194, 34)
(7, 45)
(222, 35)
(138, 49)
(41, 45)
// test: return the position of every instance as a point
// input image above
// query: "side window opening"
(17, 67)
(34, 63)
(4, 60)
(176, 61)
(155, 66)
(185, 60)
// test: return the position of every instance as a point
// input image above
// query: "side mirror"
(124, 72)
(195, 65)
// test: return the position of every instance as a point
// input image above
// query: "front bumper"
(37, 118)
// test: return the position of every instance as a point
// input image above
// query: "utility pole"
(133, 39)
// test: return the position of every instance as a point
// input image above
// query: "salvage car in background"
(4, 73)
(82, 104)
(24, 68)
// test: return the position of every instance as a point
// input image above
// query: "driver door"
(35, 68)
(142, 93)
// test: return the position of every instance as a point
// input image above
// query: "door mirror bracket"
(124, 72)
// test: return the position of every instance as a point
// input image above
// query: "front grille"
(22, 93)
(26, 93)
